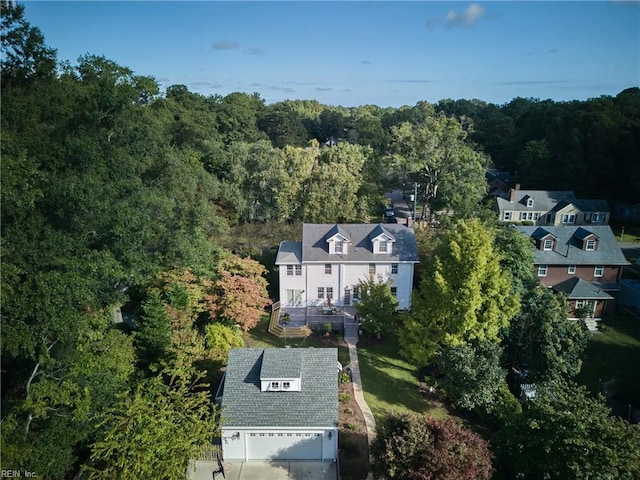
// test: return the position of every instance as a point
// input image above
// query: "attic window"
(286, 385)
(339, 245)
(382, 246)
(529, 202)
(275, 385)
(547, 244)
(590, 245)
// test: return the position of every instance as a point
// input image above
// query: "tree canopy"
(464, 295)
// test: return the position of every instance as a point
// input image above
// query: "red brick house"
(584, 263)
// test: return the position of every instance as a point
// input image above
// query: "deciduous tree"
(423, 448)
(565, 433)
(377, 306)
(464, 296)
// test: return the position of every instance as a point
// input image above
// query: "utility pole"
(415, 200)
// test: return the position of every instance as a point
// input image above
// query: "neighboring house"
(543, 207)
(585, 263)
(280, 404)
(332, 259)
(499, 182)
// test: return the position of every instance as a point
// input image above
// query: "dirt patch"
(352, 439)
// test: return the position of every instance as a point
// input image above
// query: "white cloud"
(467, 18)
(225, 45)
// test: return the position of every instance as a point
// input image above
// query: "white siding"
(281, 443)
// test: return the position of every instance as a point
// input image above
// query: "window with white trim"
(568, 218)
(339, 245)
(394, 269)
(298, 270)
(329, 292)
(529, 202)
(327, 269)
(528, 216)
(590, 245)
(548, 244)
(507, 216)
(542, 270)
(289, 270)
(275, 385)
(286, 385)
(571, 269)
(321, 293)
(598, 217)
(356, 292)
(382, 246)
(598, 271)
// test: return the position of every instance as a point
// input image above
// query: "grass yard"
(614, 354)
(259, 337)
(626, 233)
(390, 383)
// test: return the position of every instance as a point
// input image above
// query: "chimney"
(512, 193)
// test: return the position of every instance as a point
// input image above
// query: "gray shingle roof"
(281, 363)
(316, 405)
(543, 200)
(316, 249)
(568, 248)
(289, 252)
(579, 289)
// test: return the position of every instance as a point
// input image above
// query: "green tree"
(516, 258)
(464, 296)
(541, 337)
(153, 337)
(25, 57)
(472, 374)
(221, 338)
(436, 155)
(423, 448)
(564, 433)
(153, 432)
(377, 306)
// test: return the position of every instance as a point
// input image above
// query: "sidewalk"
(351, 337)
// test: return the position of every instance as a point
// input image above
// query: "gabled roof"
(582, 233)
(316, 249)
(315, 405)
(578, 289)
(544, 200)
(338, 230)
(540, 233)
(381, 231)
(592, 205)
(568, 248)
(289, 253)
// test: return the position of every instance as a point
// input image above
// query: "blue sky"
(357, 53)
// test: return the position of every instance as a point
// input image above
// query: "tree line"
(115, 194)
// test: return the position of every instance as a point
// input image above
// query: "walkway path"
(351, 337)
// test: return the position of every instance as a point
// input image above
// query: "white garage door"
(284, 446)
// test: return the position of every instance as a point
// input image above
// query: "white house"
(280, 404)
(332, 259)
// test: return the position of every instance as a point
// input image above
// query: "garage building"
(280, 404)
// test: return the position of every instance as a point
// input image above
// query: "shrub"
(344, 397)
(344, 377)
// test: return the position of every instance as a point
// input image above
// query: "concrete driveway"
(275, 470)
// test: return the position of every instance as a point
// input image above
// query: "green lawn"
(614, 354)
(390, 383)
(259, 337)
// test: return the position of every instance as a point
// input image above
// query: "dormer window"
(286, 385)
(382, 246)
(590, 245)
(598, 217)
(529, 202)
(547, 244)
(339, 246)
(275, 385)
